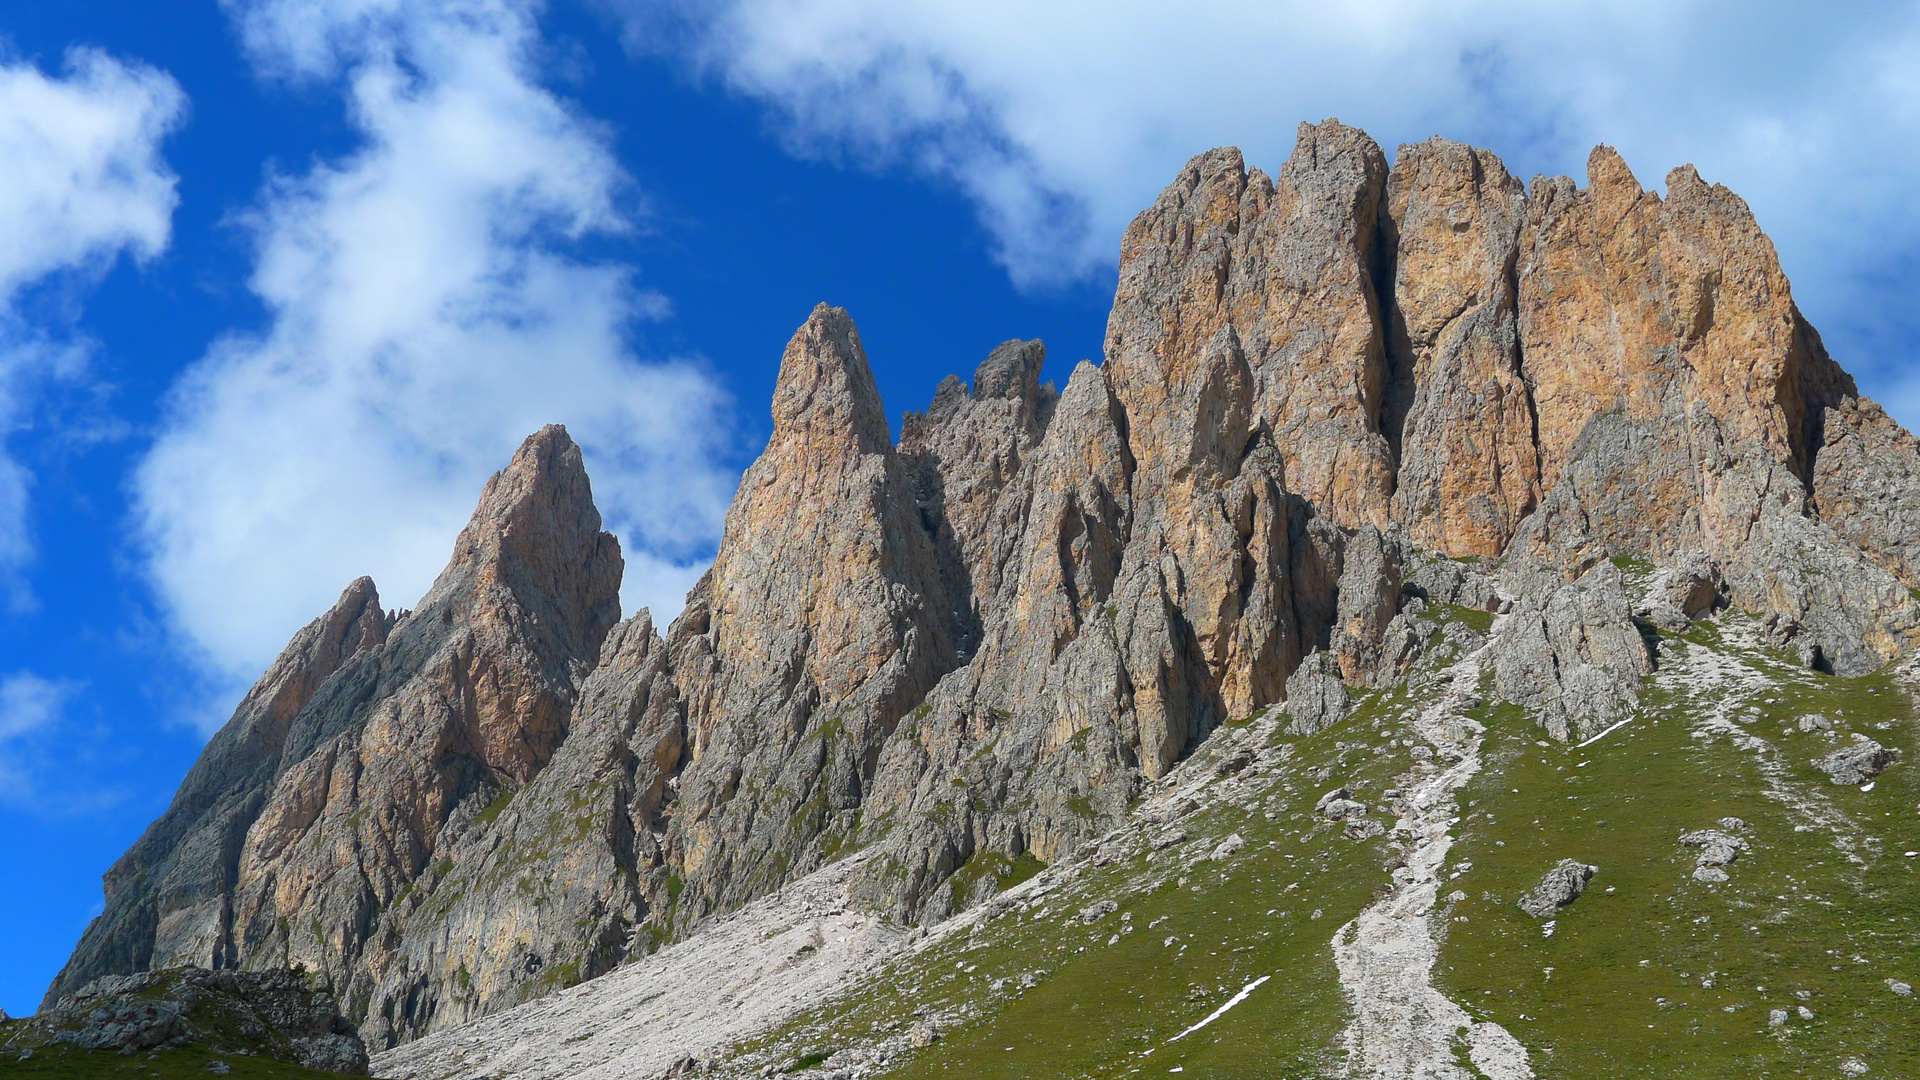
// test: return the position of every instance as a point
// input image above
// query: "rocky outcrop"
(549, 885)
(1460, 410)
(1857, 762)
(1575, 660)
(1290, 264)
(276, 1015)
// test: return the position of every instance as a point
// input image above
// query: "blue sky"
(296, 275)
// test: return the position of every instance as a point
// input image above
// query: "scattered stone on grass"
(1559, 887)
(1858, 762)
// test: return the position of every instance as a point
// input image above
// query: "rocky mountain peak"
(534, 550)
(825, 386)
(1011, 370)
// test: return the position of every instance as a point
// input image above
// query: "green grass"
(492, 811)
(1581, 1000)
(1586, 1001)
(808, 1061)
(1097, 1002)
(1006, 873)
(1479, 621)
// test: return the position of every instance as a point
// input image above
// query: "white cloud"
(30, 707)
(82, 182)
(428, 312)
(1061, 120)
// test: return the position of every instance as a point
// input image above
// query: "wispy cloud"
(83, 182)
(30, 713)
(430, 309)
(1061, 120)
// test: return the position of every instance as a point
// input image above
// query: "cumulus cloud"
(429, 309)
(1062, 120)
(30, 707)
(83, 182)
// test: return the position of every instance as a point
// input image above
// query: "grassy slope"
(1831, 910)
(1098, 1003)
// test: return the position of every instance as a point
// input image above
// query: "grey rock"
(1716, 848)
(1316, 695)
(1814, 722)
(924, 1034)
(1331, 797)
(1225, 849)
(1450, 581)
(1823, 599)
(436, 714)
(1577, 659)
(1681, 592)
(1097, 910)
(1559, 887)
(1804, 1012)
(1363, 828)
(1369, 598)
(1777, 1017)
(989, 639)
(1900, 988)
(1342, 809)
(1711, 875)
(269, 1014)
(1169, 837)
(1857, 762)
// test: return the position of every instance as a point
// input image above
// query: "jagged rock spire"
(823, 621)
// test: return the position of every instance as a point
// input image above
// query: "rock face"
(1331, 399)
(320, 818)
(1577, 659)
(272, 1014)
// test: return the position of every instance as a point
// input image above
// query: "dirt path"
(1403, 1027)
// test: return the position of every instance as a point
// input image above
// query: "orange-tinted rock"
(1469, 470)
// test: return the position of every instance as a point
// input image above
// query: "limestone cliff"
(1329, 399)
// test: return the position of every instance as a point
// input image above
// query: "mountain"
(1397, 484)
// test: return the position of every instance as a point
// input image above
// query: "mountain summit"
(1380, 450)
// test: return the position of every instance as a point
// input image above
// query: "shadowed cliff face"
(1330, 399)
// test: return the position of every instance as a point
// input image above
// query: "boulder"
(1716, 848)
(1559, 887)
(1858, 762)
